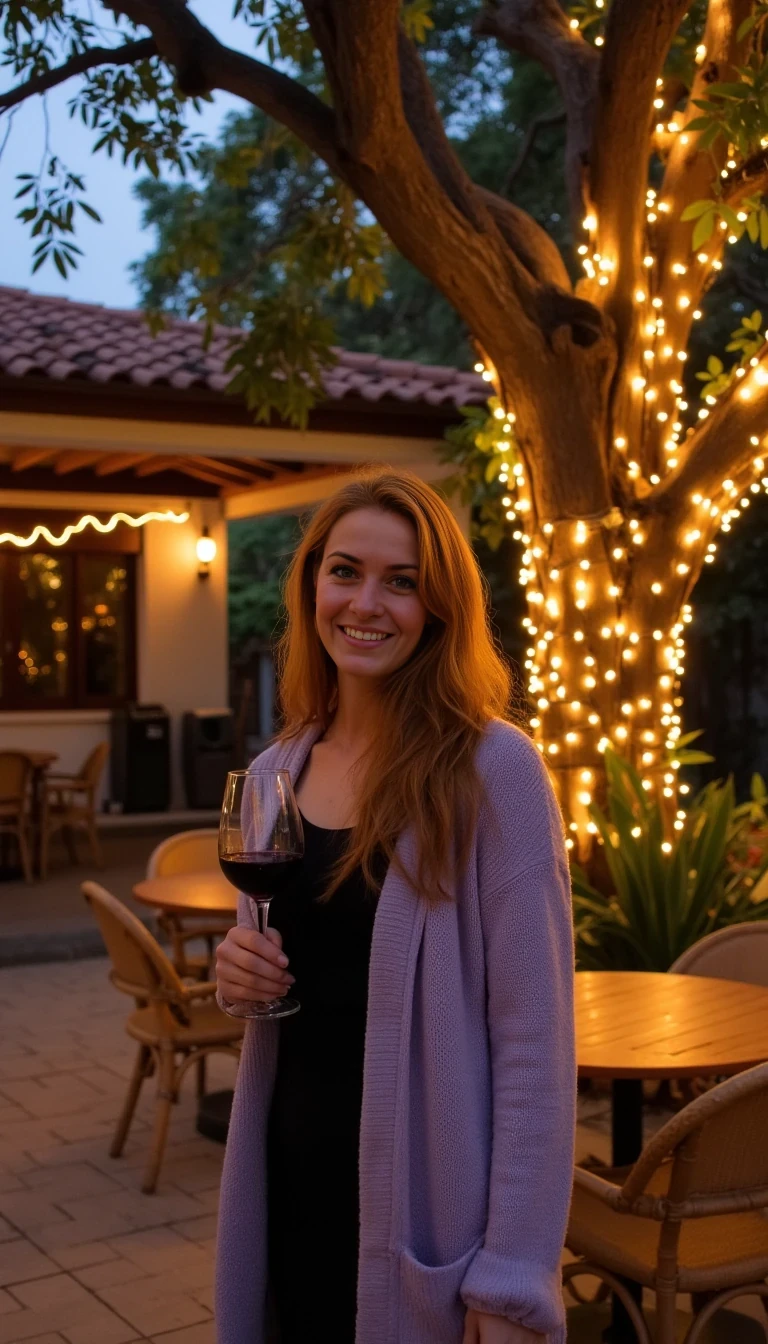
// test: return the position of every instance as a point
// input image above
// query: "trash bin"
(208, 751)
(141, 758)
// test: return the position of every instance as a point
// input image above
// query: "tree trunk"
(606, 612)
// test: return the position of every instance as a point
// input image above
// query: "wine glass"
(261, 845)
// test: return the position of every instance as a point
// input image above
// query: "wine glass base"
(259, 1011)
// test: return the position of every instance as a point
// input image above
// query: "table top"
(40, 759)
(639, 1024)
(202, 893)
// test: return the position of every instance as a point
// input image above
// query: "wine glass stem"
(262, 912)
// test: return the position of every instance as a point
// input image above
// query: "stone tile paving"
(85, 1257)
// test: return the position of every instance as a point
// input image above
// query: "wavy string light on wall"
(42, 533)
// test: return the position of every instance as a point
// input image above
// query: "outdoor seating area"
(38, 805)
(86, 1255)
(669, 1205)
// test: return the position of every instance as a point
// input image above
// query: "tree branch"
(527, 239)
(203, 63)
(637, 39)
(540, 29)
(529, 140)
(384, 138)
(690, 175)
(749, 179)
(721, 447)
(128, 54)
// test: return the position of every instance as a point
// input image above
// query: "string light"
(593, 706)
(88, 520)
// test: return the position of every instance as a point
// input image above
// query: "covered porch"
(99, 418)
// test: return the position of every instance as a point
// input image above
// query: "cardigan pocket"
(431, 1310)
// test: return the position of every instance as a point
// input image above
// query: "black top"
(314, 1121)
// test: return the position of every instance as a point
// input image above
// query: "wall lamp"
(206, 552)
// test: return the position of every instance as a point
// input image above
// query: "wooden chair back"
(739, 952)
(718, 1151)
(188, 852)
(91, 770)
(15, 776)
(139, 964)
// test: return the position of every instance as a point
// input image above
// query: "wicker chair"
(15, 786)
(175, 1025)
(739, 952)
(188, 852)
(686, 1218)
(70, 802)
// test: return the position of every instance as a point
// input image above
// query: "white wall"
(71, 733)
(182, 624)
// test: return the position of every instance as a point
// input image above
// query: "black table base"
(626, 1145)
(213, 1115)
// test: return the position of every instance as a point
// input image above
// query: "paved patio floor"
(85, 1258)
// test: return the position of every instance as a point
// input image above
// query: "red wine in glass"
(261, 847)
(262, 874)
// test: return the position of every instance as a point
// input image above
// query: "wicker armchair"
(687, 1217)
(70, 803)
(175, 1025)
(737, 952)
(15, 786)
(189, 852)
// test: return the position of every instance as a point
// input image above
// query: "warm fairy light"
(73, 529)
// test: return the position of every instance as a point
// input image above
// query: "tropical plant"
(665, 894)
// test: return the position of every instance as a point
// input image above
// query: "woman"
(443, 1068)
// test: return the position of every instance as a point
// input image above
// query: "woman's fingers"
(250, 965)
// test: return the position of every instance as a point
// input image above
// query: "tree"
(617, 484)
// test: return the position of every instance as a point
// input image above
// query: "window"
(67, 623)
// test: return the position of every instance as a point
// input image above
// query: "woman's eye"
(343, 572)
(402, 581)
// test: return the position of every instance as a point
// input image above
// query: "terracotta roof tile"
(62, 339)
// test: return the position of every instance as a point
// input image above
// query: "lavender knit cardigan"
(466, 1141)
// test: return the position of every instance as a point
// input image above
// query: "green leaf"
(753, 226)
(696, 209)
(730, 217)
(745, 27)
(703, 231)
(417, 19)
(763, 227)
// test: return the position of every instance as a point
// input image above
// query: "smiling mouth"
(365, 636)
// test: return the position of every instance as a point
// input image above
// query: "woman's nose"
(367, 599)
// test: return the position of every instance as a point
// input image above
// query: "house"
(100, 418)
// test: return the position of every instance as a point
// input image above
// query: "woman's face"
(369, 614)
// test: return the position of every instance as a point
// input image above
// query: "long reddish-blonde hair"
(431, 712)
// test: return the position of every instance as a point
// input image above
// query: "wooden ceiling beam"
(75, 460)
(155, 464)
(227, 468)
(213, 478)
(120, 462)
(30, 457)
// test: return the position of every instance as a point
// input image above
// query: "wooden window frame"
(12, 698)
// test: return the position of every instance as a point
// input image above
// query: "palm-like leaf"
(663, 898)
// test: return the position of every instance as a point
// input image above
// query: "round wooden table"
(632, 1025)
(204, 893)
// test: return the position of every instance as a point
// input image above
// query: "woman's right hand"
(250, 966)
